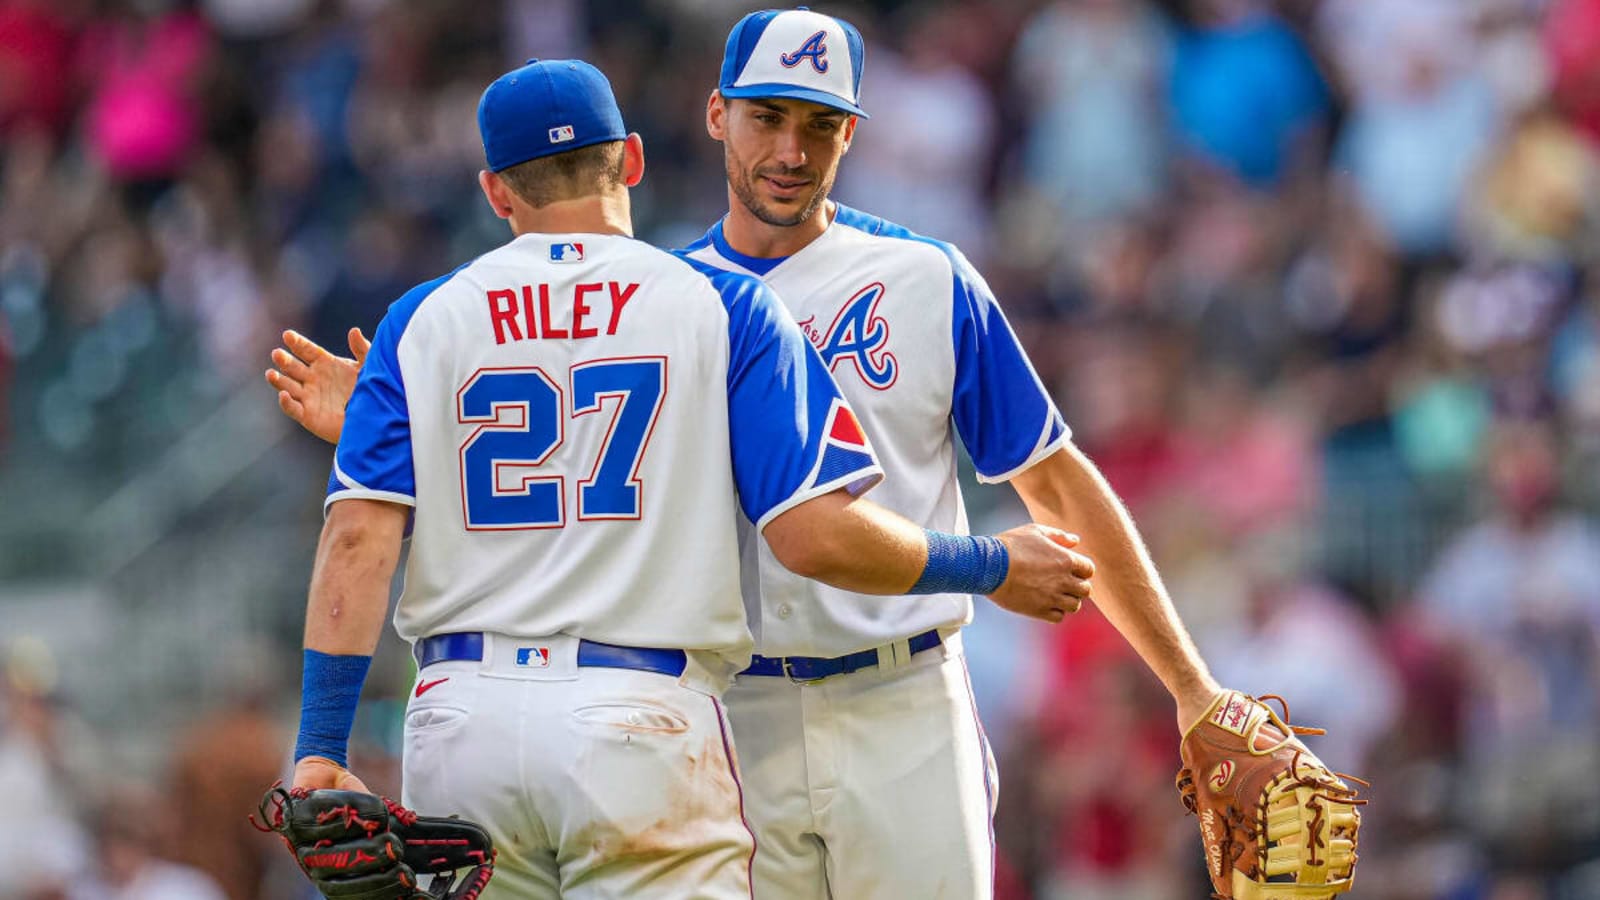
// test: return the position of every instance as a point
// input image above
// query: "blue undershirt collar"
(760, 265)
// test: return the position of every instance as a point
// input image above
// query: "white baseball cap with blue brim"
(795, 54)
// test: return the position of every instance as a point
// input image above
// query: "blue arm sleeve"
(1001, 409)
(793, 436)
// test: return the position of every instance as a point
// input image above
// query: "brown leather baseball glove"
(1277, 824)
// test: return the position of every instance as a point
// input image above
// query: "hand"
(314, 773)
(314, 385)
(1047, 579)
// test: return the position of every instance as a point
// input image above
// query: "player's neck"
(753, 237)
(602, 214)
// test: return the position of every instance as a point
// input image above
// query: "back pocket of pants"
(632, 717)
(434, 720)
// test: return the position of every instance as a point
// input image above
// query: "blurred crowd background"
(1317, 282)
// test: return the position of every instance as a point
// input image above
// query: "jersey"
(919, 346)
(579, 422)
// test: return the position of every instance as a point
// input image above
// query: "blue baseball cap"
(544, 108)
(794, 53)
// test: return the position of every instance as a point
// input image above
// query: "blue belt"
(468, 645)
(813, 668)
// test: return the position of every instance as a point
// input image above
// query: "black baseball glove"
(357, 846)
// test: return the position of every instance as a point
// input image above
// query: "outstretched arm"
(857, 545)
(313, 385)
(1066, 487)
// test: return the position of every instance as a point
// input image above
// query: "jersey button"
(784, 611)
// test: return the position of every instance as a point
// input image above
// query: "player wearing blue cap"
(572, 424)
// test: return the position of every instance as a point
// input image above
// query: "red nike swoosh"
(426, 686)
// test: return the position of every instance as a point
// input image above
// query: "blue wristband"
(962, 564)
(330, 688)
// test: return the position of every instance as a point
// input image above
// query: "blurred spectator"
(1512, 56)
(1519, 593)
(1527, 562)
(43, 848)
(382, 259)
(1104, 736)
(1422, 114)
(1572, 34)
(1302, 640)
(1247, 464)
(1246, 95)
(320, 65)
(1377, 45)
(1575, 371)
(1093, 73)
(1442, 405)
(127, 829)
(144, 115)
(250, 20)
(1345, 294)
(1120, 405)
(221, 765)
(922, 159)
(36, 47)
(1538, 198)
(545, 28)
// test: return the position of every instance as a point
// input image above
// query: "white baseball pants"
(876, 785)
(594, 783)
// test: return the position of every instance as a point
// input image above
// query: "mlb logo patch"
(561, 134)
(566, 253)
(533, 657)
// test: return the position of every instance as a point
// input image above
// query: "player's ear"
(717, 116)
(849, 132)
(496, 192)
(633, 160)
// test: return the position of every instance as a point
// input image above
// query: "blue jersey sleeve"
(793, 436)
(373, 459)
(1001, 409)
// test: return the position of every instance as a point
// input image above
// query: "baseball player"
(875, 781)
(570, 426)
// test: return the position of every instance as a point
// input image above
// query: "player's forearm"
(344, 617)
(356, 558)
(849, 543)
(1067, 491)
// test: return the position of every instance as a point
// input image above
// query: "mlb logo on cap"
(561, 135)
(797, 54)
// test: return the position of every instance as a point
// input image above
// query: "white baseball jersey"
(919, 346)
(579, 421)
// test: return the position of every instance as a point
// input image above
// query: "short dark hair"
(567, 176)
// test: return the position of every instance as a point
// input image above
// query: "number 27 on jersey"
(521, 414)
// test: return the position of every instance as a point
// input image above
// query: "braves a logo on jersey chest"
(858, 335)
(815, 49)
